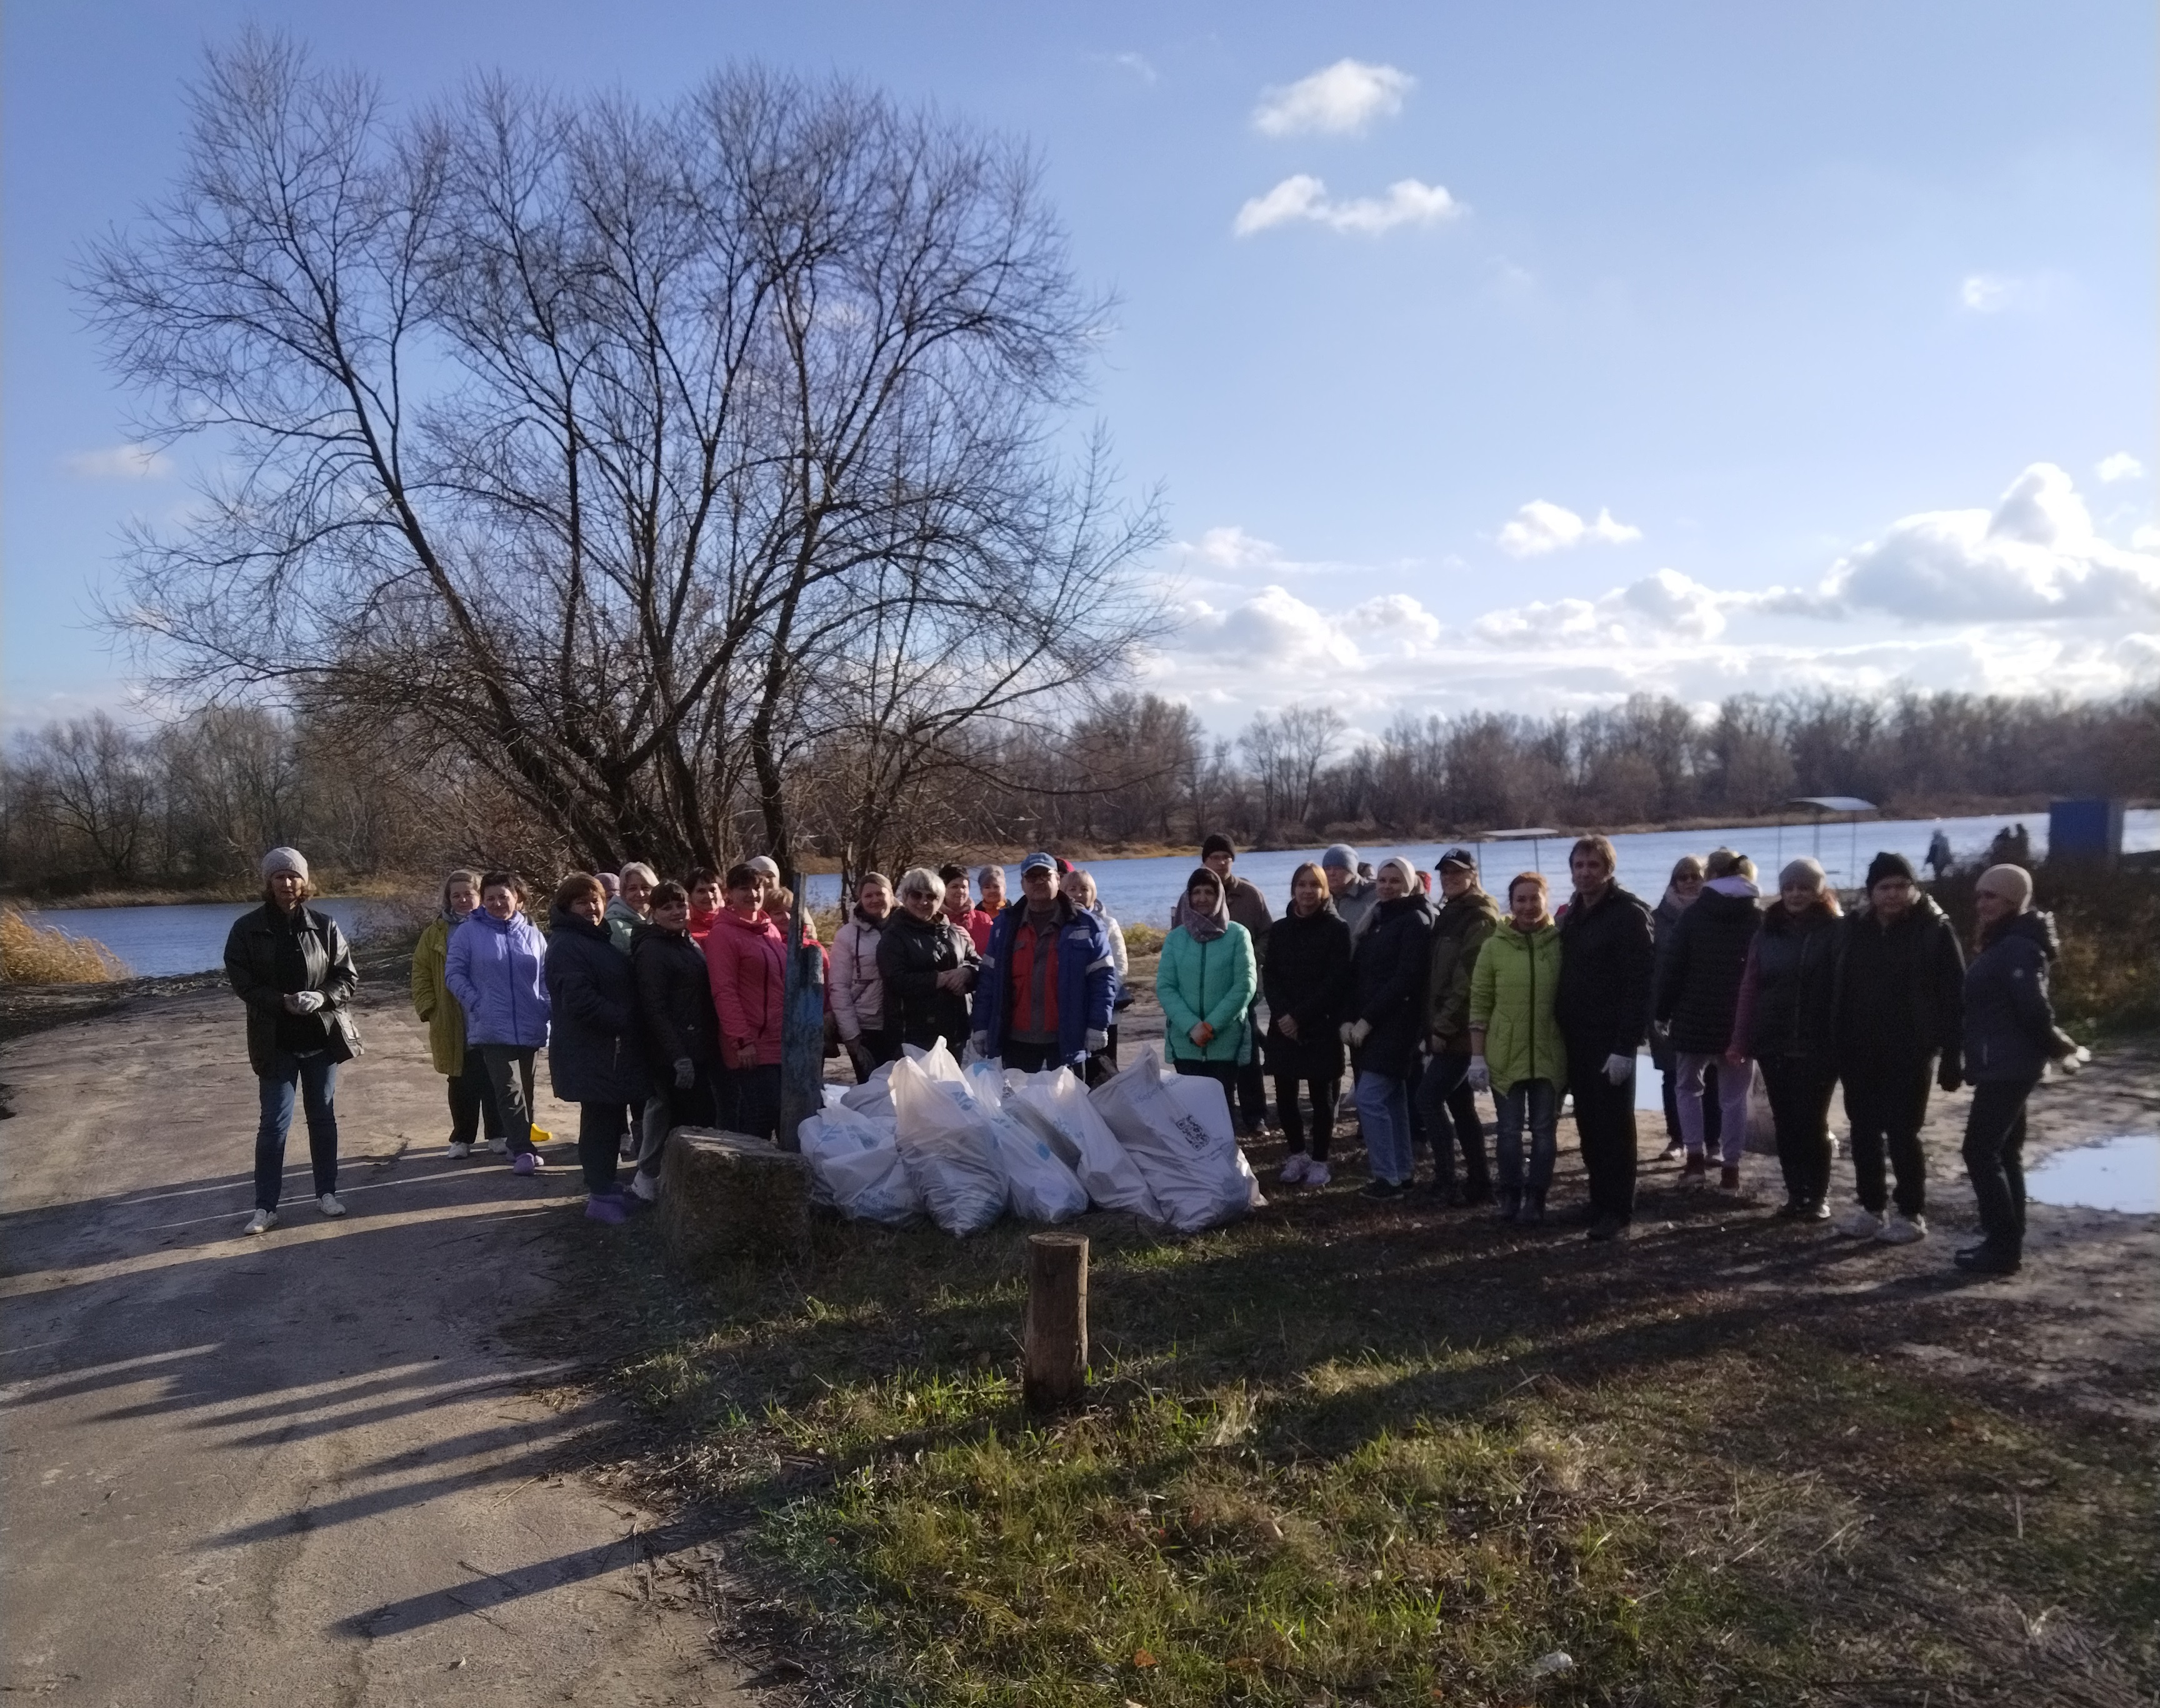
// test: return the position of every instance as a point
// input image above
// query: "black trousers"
(751, 1097)
(1605, 1125)
(599, 1137)
(472, 1113)
(509, 1070)
(1799, 1088)
(1995, 1158)
(1103, 1063)
(882, 1044)
(1886, 1101)
(1448, 1106)
(1030, 1058)
(1251, 1103)
(1326, 1095)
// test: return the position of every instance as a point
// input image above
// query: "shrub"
(32, 954)
(1144, 939)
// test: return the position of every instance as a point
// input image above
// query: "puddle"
(2110, 1174)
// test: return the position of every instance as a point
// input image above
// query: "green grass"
(1394, 1458)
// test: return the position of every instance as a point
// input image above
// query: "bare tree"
(629, 455)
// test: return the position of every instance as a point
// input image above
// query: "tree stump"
(1056, 1349)
(725, 1197)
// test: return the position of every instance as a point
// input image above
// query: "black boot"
(1988, 1260)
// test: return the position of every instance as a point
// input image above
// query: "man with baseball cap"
(1044, 993)
(1467, 916)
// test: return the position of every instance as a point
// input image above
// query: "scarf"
(1205, 928)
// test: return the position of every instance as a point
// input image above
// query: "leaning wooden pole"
(803, 1023)
(1056, 1348)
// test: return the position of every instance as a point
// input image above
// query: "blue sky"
(1512, 357)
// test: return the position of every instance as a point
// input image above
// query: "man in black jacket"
(1898, 999)
(1603, 1007)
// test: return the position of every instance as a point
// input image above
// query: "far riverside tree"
(630, 456)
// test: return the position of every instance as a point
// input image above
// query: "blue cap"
(1038, 861)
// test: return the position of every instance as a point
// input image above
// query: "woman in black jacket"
(1387, 969)
(593, 1055)
(291, 967)
(2010, 1037)
(1305, 974)
(1783, 1021)
(1699, 967)
(682, 1032)
(927, 965)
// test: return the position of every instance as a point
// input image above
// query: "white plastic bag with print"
(1042, 1187)
(1182, 1141)
(948, 1146)
(1056, 1105)
(855, 1166)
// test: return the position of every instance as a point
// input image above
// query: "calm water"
(155, 941)
(2114, 1174)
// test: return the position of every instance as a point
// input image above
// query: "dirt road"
(304, 1467)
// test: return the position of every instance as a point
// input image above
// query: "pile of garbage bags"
(924, 1136)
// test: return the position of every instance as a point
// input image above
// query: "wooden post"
(1056, 1355)
(803, 1022)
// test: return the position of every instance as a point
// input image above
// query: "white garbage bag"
(873, 1095)
(949, 1149)
(855, 1166)
(1054, 1105)
(1177, 1129)
(1042, 1187)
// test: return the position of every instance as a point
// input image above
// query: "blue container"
(2086, 830)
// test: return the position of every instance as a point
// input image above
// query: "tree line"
(92, 803)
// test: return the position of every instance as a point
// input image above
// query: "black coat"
(2009, 1021)
(1898, 993)
(1795, 975)
(1388, 971)
(1606, 959)
(911, 952)
(674, 1000)
(1699, 967)
(1304, 972)
(268, 957)
(593, 1053)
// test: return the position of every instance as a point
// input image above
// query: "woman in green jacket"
(469, 1102)
(1515, 1048)
(1205, 982)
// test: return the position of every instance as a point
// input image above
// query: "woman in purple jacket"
(494, 969)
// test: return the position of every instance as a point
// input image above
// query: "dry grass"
(1144, 939)
(32, 954)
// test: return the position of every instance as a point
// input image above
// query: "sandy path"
(305, 1467)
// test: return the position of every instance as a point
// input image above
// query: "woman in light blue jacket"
(495, 968)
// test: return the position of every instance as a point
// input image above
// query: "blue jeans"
(316, 1076)
(1383, 1108)
(1538, 1102)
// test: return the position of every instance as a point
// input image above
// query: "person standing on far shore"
(291, 967)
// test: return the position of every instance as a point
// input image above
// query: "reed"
(33, 954)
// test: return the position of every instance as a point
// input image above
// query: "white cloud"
(119, 462)
(1346, 96)
(2121, 466)
(2034, 557)
(1231, 549)
(1662, 607)
(1539, 527)
(1273, 629)
(2145, 539)
(1987, 293)
(1302, 196)
(1137, 64)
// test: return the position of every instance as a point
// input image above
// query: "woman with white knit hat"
(291, 965)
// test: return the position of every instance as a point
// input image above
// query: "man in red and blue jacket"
(1043, 997)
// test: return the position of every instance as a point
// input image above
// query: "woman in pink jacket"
(746, 958)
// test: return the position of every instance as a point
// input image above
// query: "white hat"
(284, 859)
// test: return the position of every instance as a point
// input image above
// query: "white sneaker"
(262, 1222)
(1315, 1174)
(458, 1150)
(1902, 1230)
(646, 1186)
(1859, 1222)
(1294, 1167)
(330, 1204)
(499, 1145)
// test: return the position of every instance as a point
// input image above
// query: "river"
(191, 937)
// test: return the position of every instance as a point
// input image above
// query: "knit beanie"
(1217, 843)
(2014, 884)
(1805, 871)
(1887, 864)
(1340, 854)
(284, 859)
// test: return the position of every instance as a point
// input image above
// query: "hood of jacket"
(1455, 914)
(561, 919)
(2037, 928)
(1511, 937)
(757, 925)
(1726, 904)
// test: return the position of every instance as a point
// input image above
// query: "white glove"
(984, 1045)
(1619, 1068)
(305, 1001)
(686, 1073)
(1097, 1041)
(1481, 1076)
(1359, 1033)
(1346, 1029)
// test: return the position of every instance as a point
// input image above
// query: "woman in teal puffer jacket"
(1205, 982)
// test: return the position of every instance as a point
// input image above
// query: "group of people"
(1431, 1000)
(662, 1003)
